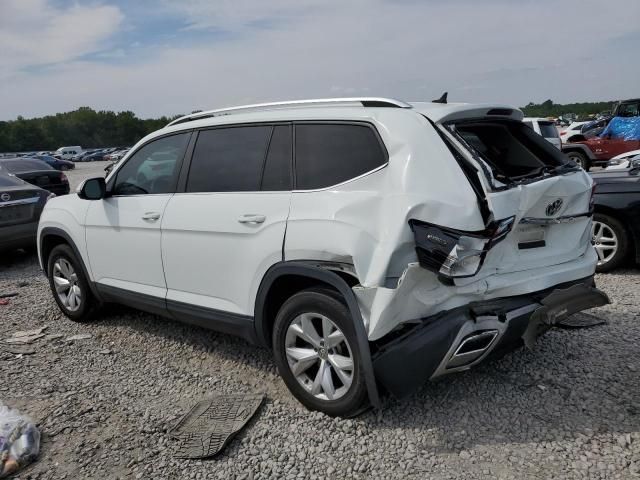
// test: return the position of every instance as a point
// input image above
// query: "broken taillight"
(455, 253)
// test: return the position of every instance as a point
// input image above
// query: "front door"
(123, 229)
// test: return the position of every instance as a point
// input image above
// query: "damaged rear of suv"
(372, 244)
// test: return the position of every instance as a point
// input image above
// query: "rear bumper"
(461, 338)
(17, 236)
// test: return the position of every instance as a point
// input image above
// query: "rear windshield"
(510, 148)
(548, 130)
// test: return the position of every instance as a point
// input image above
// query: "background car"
(622, 160)
(37, 173)
(56, 163)
(20, 207)
(93, 157)
(545, 128)
(616, 222)
(117, 155)
(574, 129)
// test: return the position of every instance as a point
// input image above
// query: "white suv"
(371, 243)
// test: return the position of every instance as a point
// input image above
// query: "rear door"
(226, 227)
(529, 185)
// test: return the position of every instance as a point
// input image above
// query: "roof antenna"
(442, 99)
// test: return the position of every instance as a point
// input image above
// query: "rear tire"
(316, 352)
(69, 285)
(580, 159)
(610, 240)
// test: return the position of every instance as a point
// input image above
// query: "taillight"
(456, 253)
(64, 178)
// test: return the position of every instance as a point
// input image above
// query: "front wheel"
(580, 159)
(69, 286)
(610, 241)
(317, 355)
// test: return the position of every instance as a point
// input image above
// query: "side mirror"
(93, 189)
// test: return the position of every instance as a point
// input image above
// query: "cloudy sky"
(161, 57)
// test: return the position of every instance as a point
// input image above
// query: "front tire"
(69, 285)
(610, 240)
(317, 355)
(580, 159)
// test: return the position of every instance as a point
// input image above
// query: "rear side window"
(329, 154)
(229, 159)
(548, 130)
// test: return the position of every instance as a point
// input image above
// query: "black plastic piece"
(442, 99)
(500, 111)
(411, 359)
(528, 245)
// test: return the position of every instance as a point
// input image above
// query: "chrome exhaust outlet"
(471, 348)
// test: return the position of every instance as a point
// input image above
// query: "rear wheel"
(69, 286)
(317, 354)
(580, 159)
(609, 238)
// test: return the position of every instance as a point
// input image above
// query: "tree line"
(84, 126)
(582, 110)
(91, 129)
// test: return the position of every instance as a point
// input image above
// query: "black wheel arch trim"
(301, 268)
(58, 232)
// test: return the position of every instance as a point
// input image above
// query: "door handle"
(252, 218)
(153, 216)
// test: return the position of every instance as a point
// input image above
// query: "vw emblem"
(5, 197)
(554, 207)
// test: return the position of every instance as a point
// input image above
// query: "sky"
(164, 57)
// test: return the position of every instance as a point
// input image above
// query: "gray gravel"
(568, 409)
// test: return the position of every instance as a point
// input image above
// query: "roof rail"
(356, 101)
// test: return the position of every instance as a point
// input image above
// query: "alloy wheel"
(319, 356)
(604, 240)
(65, 280)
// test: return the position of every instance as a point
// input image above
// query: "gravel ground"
(568, 409)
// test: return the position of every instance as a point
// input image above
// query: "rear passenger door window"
(329, 154)
(229, 159)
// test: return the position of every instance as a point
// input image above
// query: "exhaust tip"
(472, 347)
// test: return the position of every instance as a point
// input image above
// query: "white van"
(68, 152)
